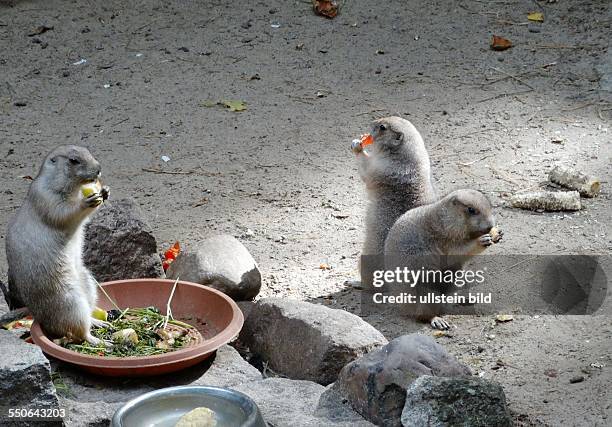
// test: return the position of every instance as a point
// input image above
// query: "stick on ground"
(547, 201)
(587, 186)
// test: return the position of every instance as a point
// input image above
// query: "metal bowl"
(164, 407)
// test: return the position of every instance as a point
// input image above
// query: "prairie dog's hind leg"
(90, 287)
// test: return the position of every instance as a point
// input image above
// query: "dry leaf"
(536, 16)
(325, 266)
(504, 318)
(234, 105)
(500, 43)
(39, 30)
(326, 8)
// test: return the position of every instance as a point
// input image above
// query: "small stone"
(223, 263)
(307, 341)
(437, 401)
(183, 49)
(576, 379)
(119, 244)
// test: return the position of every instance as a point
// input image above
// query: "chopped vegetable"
(170, 255)
(137, 332)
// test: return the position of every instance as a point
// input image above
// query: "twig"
(505, 94)
(105, 294)
(167, 172)
(168, 309)
(120, 121)
(586, 104)
(558, 46)
(475, 132)
(475, 161)
(513, 77)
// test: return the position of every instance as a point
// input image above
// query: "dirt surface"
(280, 175)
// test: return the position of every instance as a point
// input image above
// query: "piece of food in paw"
(359, 144)
(99, 314)
(125, 336)
(198, 417)
(91, 188)
(495, 234)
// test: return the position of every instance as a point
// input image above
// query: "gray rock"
(307, 341)
(289, 403)
(223, 263)
(228, 369)
(119, 244)
(25, 378)
(246, 307)
(88, 414)
(375, 385)
(438, 402)
(93, 400)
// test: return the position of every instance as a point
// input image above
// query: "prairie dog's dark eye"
(472, 211)
(382, 127)
(74, 161)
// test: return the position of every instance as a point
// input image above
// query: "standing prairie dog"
(44, 245)
(441, 236)
(396, 171)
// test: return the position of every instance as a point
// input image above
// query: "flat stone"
(221, 262)
(438, 402)
(92, 400)
(119, 244)
(25, 378)
(375, 384)
(307, 341)
(289, 403)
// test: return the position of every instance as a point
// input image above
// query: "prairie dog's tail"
(11, 316)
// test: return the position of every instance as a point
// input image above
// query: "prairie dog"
(461, 225)
(396, 171)
(44, 245)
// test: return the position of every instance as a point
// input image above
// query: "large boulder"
(375, 384)
(119, 244)
(288, 403)
(307, 341)
(438, 402)
(25, 378)
(223, 263)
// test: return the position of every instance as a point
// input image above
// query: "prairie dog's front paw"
(485, 240)
(92, 201)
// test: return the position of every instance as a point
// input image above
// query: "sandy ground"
(280, 175)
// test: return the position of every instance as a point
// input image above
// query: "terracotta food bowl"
(213, 313)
